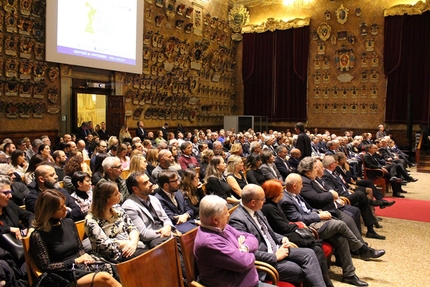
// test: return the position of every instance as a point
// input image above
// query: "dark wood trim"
(16, 135)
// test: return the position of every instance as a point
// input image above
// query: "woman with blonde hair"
(236, 149)
(124, 134)
(55, 245)
(235, 177)
(122, 155)
(113, 140)
(152, 159)
(111, 231)
(138, 163)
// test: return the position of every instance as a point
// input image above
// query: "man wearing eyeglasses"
(295, 265)
(19, 189)
(146, 211)
(113, 168)
(173, 202)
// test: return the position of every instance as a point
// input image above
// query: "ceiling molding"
(402, 9)
(271, 25)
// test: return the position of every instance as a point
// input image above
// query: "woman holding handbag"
(55, 245)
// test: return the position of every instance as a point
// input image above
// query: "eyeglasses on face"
(174, 180)
(117, 166)
(6, 192)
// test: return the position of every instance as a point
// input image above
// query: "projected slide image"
(98, 29)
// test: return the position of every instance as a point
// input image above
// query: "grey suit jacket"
(242, 221)
(143, 219)
(268, 173)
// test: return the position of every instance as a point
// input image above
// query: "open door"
(97, 106)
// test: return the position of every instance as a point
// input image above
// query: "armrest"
(373, 173)
(345, 199)
(269, 269)
(196, 284)
(315, 232)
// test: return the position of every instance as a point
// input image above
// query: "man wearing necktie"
(295, 265)
(357, 198)
(329, 228)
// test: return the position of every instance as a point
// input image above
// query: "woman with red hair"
(274, 192)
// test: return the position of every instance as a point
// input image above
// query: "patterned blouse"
(104, 233)
(84, 203)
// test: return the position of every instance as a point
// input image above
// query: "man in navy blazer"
(294, 265)
(173, 202)
(331, 229)
(146, 211)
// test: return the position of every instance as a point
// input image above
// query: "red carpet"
(418, 210)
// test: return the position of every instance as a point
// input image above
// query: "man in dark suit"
(294, 265)
(173, 202)
(103, 133)
(334, 231)
(303, 142)
(140, 131)
(357, 198)
(83, 131)
(320, 195)
(280, 162)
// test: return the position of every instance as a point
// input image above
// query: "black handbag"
(10, 243)
(304, 233)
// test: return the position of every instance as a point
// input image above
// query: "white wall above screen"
(104, 34)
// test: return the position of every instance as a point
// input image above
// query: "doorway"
(90, 107)
(97, 106)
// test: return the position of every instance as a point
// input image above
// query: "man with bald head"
(165, 158)
(334, 231)
(46, 178)
(294, 160)
(295, 265)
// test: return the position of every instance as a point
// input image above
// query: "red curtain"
(407, 67)
(275, 74)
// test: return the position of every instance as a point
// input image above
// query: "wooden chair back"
(233, 209)
(157, 267)
(61, 184)
(33, 272)
(80, 225)
(187, 247)
(125, 173)
(376, 175)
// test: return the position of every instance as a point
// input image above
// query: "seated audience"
(55, 245)
(268, 167)
(35, 161)
(294, 265)
(224, 256)
(112, 169)
(111, 231)
(18, 162)
(191, 188)
(146, 212)
(334, 231)
(187, 160)
(254, 174)
(19, 189)
(46, 178)
(216, 183)
(75, 163)
(206, 157)
(139, 163)
(234, 175)
(83, 194)
(173, 201)
(45, 152)
(123, 157)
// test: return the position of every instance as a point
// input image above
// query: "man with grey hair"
(255, 148)
(294, 265)
(357, 197)
(224, 255)
(19, 189)
(334, 231)
(113, 168)
(269, 144)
